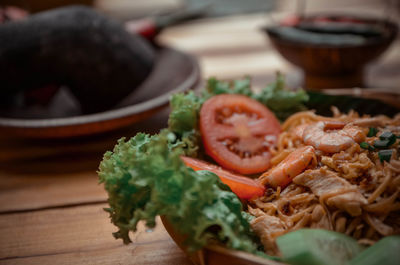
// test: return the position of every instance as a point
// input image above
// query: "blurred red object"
(11, 13)
(291, 21)
(146, 27)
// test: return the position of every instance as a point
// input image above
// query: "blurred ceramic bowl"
(332, 60)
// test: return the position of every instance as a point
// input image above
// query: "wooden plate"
(214, 254)
(173, 72)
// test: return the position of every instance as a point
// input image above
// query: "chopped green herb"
(392, 140)
(381, 144)
(386, 139)
(372, 132)
(385, 155)
(388, 136)
(367, 146)
(364, 145)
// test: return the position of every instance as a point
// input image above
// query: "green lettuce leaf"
(183, 122)
(184, 114)
(275, 96)
(280, 100)
(145, 177)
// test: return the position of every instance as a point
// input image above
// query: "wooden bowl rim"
(35, 126)
(394, 29)
(198, 257)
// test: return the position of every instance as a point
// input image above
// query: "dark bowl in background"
(334, 66)
(34, 6)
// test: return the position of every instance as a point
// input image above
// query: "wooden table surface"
(51, 205)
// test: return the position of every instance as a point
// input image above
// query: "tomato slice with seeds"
(238, 132)
(244, 187)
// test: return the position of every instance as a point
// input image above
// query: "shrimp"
(378, 121)
(339, 137)
(294, 164)
(299, 130)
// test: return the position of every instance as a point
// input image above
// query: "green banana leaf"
(322, 103)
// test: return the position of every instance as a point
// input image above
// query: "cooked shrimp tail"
(294, 164)
(332, 136)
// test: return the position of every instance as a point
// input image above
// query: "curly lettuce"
(145, 177)
(280, 100)
(183, 122)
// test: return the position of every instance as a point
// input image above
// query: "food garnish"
(282, 101)
(385, 155)
(372, 132)
(317, 247)
(238, 132)
(386, 139)
(145, 177)
(367, 146)
(386, 252)
(245, 188)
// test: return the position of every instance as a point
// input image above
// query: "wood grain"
(37, 174)
(161, 252)
(20, 192)
(78, 235)
(55, 231)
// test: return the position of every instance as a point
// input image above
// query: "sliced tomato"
(238, 132)
(244, 187)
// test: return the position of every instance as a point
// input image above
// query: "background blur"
(233, 46)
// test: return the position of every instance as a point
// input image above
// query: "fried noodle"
(351, 191)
